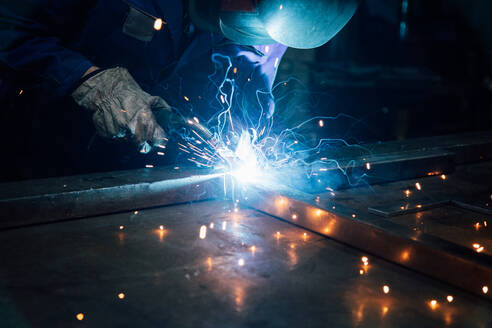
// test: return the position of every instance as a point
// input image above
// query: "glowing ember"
(450, 298)
(157, 24)
(80, 316)
(485, 289)
(386, 289)
(240, 262)
(478, 248)
(443, 176)
(121, 296)
(122, 227)
(294, 216)
(161, 227)
(368, 166)
(418, 186)
(433, 304)
(321, 123)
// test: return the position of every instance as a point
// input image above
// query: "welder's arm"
(31, 33)
(31, 43)
(264, 61)
(121, 107)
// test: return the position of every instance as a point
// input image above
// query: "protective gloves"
(120, 106)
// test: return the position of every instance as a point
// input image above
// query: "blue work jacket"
(55, 41)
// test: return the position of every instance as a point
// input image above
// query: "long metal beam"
(421, 252)
(54, 199)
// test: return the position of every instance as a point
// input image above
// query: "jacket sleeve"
(253, 69)
(262, 62)
(33, 34)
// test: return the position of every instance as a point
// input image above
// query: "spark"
(485, 289)
(433, 304)
(121, 296)
(203, 232)
(240, 262)
(450, 298)
(149, 166)
(478, 248)
(158, 24)
(250, 151)
(161, 227)
(80, 316)
(386, 289)
(122, 227)
(418, 186)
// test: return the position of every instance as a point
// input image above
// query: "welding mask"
(302, 24)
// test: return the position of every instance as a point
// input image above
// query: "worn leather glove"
(120, 106)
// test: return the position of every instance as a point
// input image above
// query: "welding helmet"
(302, 24)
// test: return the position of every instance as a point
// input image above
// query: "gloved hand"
(120, 106)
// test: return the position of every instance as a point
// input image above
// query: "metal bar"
(371, 169)
(432, 256)
(48, 200)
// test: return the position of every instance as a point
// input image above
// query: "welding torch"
(172, 120)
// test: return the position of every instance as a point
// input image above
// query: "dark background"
(400, 69)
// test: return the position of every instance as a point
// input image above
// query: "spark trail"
(246, 146)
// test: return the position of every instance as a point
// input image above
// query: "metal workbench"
(165, 247)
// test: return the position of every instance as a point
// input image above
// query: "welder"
(123, 60)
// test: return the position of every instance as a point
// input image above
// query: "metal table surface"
(123, 270)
